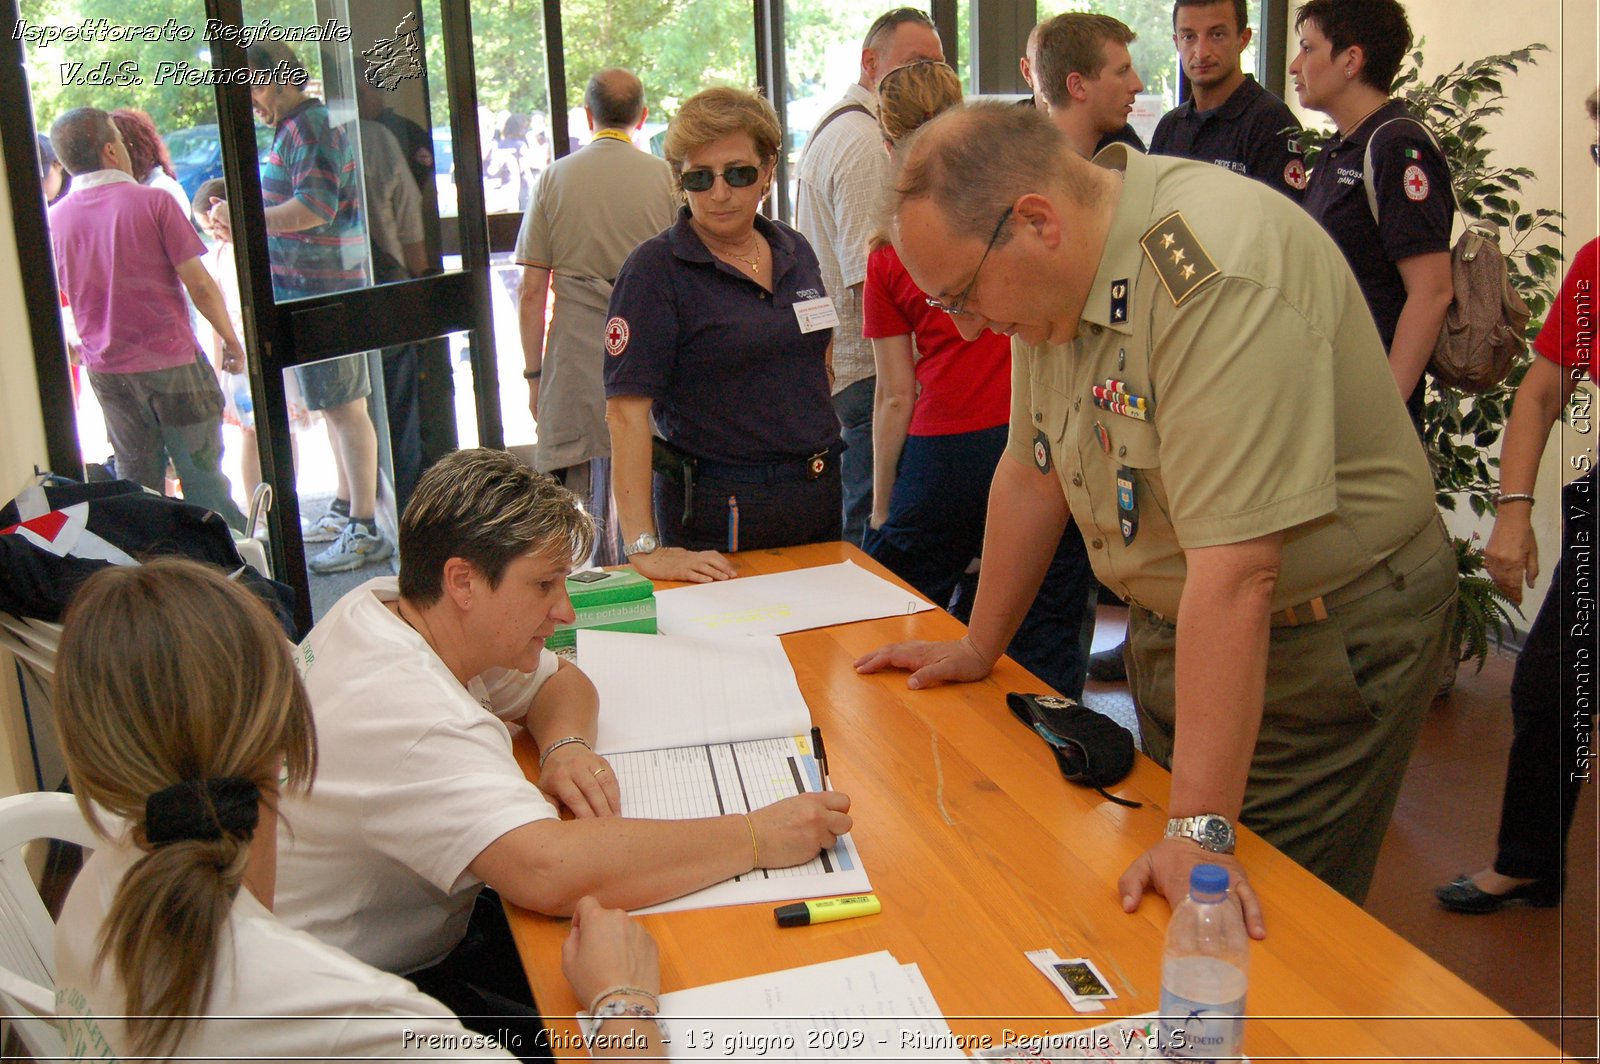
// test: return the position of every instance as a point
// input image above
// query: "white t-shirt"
(278, 993)
(415, 778)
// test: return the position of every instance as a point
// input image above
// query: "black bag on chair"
(1091, 749)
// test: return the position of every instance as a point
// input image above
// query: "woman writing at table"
(720, 328)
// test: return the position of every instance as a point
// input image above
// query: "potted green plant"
(1459, 429)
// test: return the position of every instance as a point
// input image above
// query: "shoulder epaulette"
(1180, 261)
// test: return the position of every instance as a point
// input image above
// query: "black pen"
(821, 754)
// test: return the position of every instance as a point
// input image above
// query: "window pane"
(513, 100)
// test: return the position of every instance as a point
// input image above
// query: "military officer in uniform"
(1197, 383)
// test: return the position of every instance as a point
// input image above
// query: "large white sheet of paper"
(869, 1006)
(658, 691)
(776, 603)
(718, 779)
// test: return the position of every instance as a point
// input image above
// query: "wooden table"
(980, 850)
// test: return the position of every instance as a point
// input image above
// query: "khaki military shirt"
(1228, 373)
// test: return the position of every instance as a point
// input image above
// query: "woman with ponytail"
(182, 716)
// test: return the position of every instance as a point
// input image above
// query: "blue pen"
(733, 524)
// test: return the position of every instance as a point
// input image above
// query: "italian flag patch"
(1412, 153)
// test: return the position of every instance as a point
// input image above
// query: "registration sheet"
(870, 1006)
(777, 603)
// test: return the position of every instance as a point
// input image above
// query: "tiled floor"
(1539, 964)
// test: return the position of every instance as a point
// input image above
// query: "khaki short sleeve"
(1019, 442)
(1245, 411)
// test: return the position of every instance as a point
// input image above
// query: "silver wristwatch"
(1212, 831)
(646, 543)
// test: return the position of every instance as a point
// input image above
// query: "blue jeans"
(935, 528)
(854, 407)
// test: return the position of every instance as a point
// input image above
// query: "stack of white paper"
(868, 1006)
(777, 603)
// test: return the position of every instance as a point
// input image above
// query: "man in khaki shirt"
(1197, 383)
(589, 211)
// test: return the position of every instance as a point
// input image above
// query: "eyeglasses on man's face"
(959, 304)
(735, 176)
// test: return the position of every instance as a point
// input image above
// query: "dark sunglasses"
(735, 176)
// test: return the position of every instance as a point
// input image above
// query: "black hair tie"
(203, 810)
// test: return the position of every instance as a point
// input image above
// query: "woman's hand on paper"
(580, 779)
(792, 831)
(608, 948)
(675, 563)
(955, 661)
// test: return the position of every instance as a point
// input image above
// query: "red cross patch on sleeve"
(1415, 183)
(616, 336)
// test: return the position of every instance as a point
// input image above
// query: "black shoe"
(1461, 895)
(1108, 665)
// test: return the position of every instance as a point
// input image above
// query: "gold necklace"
(752, 263)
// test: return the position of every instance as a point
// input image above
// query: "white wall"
(1544, 128)
(21, 446)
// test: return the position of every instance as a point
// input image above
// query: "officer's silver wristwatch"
(1212, 831)
(647, 543)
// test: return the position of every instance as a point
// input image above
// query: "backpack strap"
(1366, 166)
(846, 109)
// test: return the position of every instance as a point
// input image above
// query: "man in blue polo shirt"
(1230, 120)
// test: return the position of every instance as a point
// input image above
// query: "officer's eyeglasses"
(735, 176)
(959, 304)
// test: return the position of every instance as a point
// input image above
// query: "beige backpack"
(1483, 329)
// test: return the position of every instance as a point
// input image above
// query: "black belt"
(679, 465)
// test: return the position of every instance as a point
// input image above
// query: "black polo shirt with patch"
(1253, 133)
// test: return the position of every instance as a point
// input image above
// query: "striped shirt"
(311, 160)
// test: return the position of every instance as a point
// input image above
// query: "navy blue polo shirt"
(1253, 133)
(1126, 135)
(732, 376)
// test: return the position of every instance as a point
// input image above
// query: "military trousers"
(1345, 700)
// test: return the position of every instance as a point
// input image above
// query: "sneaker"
(354, 548)
(325, 529)
(1107, 665)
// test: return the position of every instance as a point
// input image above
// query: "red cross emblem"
(616, 336)
(1294, 174)
(1416, 184)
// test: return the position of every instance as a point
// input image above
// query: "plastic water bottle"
(1204, 973)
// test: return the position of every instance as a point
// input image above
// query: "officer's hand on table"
(580, 779)
(956, 661)
(675, 563)
(1165, 868)
(791, 832)
(608, 948)
(1512, 554)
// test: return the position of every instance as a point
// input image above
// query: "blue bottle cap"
(1208, 879)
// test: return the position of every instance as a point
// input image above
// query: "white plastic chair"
(27, 934)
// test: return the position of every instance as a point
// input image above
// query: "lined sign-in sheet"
(685, 782)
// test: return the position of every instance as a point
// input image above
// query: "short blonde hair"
(490, 508)
(913, 94)
(143, 706)
(708, 116)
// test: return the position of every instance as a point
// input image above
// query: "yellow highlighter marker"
(822, 910)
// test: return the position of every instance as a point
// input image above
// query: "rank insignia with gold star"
(1180, 261)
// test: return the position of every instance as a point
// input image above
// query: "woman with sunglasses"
(1544, 768)
(1398, 242)
(939, 426)
(720, 330)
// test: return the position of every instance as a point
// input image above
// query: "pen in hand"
(821, 754)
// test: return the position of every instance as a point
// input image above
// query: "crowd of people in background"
(1002, 348)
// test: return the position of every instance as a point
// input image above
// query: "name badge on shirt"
(814, 314)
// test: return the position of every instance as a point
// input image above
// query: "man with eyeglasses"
(1229, 119)
(840, 185)
(1198, 385)
(1082, 77)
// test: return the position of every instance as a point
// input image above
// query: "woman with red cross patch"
(1393, 224)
